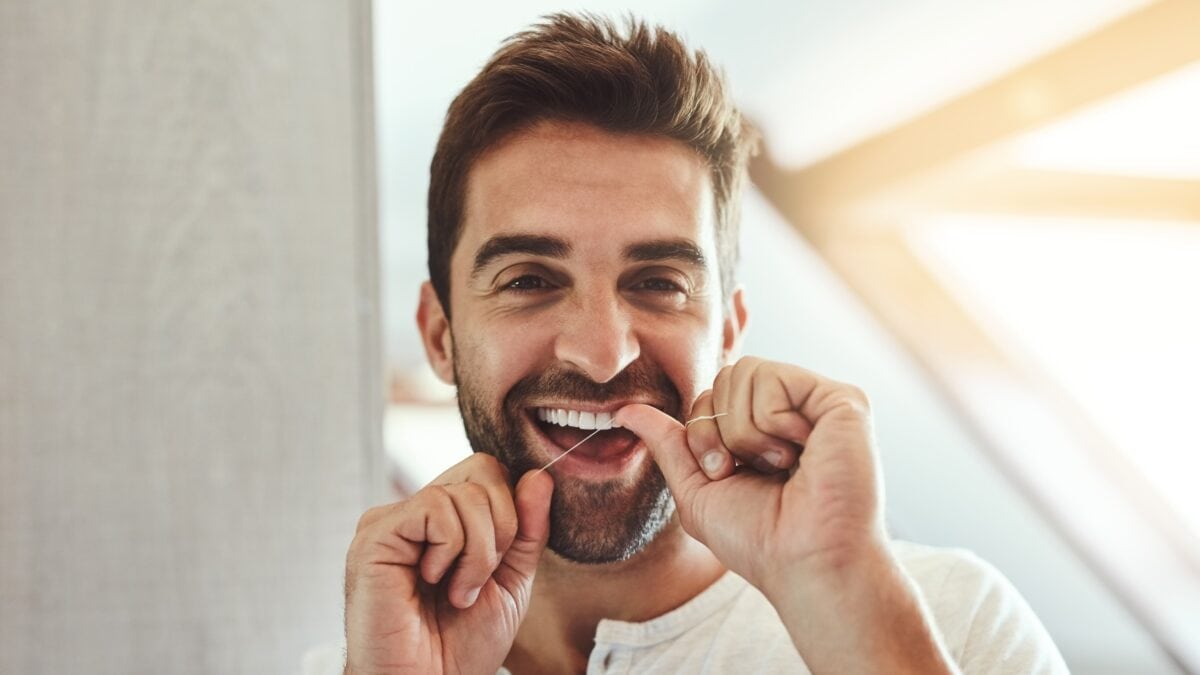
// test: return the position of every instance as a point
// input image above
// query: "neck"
(569, 599)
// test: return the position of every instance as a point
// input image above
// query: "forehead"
(584, 184)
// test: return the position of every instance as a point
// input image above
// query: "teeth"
(577, 418)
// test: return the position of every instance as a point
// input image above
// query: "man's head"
(583, 68)
(583, 226)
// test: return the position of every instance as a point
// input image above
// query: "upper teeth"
(576, 418)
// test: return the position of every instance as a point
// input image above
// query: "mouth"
(562, 428)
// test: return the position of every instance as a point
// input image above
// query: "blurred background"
(984, 214)
(212, 222)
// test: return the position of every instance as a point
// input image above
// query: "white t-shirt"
(731, 628)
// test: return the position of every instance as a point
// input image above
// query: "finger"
(430, 518)
(777, 400)
(704, 439)
(478, 558)
(667, 441)
(487, 471)
(533, 530)
(738, 429)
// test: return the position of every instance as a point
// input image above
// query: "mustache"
(638, 380)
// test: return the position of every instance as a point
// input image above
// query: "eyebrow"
(529, 244)
(681, 250)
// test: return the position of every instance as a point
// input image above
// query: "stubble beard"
(590, 521)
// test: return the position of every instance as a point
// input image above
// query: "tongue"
(608, 443)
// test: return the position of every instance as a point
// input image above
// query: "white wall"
(189, 372)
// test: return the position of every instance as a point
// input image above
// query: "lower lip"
(585, 466)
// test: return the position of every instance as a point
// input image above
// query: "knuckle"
(723, 375)
(857, 398)
(360, 546)
(473, 494)
(747, 364)
(434, 493)
(487, 464)
(368, 516)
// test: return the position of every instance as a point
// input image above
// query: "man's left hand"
(785, 480)
(784, 487)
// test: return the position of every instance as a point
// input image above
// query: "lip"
(589, 406)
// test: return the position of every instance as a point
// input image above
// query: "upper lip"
(592, 406)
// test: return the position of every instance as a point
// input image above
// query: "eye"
(527, 283)
(659, 285)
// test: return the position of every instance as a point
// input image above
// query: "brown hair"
(581, 67)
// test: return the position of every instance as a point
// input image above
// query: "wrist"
(830, 580)
(858, 611)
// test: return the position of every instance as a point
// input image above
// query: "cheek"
(498, 355)
(690, 359)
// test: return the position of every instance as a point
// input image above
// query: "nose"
(597, 337)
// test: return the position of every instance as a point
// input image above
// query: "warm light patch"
(1108, 310)
(1148, 131)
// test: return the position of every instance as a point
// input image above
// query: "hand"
(440, 582)
(801, 518)
(807, 494)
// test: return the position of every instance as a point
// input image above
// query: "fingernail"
(471, 595)
(772, 458)
(712, 461)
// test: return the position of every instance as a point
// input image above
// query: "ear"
(735, 325)
(435, 334)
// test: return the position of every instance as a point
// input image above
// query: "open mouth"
(566, 428)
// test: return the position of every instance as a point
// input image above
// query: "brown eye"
(659, 285)
(526, 283)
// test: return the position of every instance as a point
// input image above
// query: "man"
(697, 512)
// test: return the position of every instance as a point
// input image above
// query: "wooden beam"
(1030, 192)
(1128, 52)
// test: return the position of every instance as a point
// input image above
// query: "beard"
(590, 521)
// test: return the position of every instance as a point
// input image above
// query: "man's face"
(585, 279)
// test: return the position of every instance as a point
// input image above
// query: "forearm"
(861, 616)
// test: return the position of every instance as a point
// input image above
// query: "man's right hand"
(440, 582)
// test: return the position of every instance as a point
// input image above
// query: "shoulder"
(986, 624)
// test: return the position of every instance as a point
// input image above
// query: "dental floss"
(586, 438)
(703, 417)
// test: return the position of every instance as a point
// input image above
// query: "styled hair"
(584, 68)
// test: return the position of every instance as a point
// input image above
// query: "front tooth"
(573, 418)
(587, 420)
(603, 420)
(560, 417)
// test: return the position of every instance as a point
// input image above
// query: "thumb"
(533, 525)
(666, 439)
